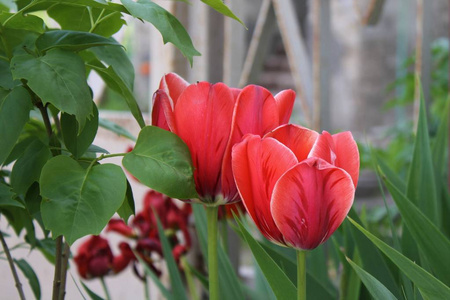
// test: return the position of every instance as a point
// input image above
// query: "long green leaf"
(117, 129)
(91, 294)
(178, 290)
(434, 245)
(219, 6)
(170, 28)
(281, 285)
(429, 286)
(33, 280)
(376, 288)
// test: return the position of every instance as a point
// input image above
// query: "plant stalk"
(213, 270)
(58, 265)
(65, 263)
(12, 267)
(105, 288)
(301, 275)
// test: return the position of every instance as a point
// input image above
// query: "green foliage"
(219, 6)
(161, 161)
(79, 201)
(31, 277)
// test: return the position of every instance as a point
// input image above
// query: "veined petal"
(285, 103)
(297, 138)
(347, 154)
(173, 85)
(257, 165)
(162, 112)
(339, 150)
(203, 116)
(310, 201)
(255, 112)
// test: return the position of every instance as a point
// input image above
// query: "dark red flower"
(94, 258)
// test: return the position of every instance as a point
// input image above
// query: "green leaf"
(71, 40)
(229, 284)
(281, 285)
(78, 141)
(429, 286)
(20, 21)
(376, 288)
(33, 201)
(119, 130)
(434, 245)
(77, 18)
(178, 290)
(65, 71)
(161, 161)
(91, 294)
(421, 187)
(219, 6)
(117, 58)
(31, 277)
(27, 168)
(170, 28)
(7, 197)
(6, 79)
(79, 201)
(15, 106)
(127, 208)
(116, 83)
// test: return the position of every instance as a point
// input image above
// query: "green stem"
(103, 156)
(189, 278)
(64, 267)
(146, 289)
(12, 267)
(58, 265)
(105, 288)
(211, 215)
(93, 26)
(301, 275)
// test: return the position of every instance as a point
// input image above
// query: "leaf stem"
(301, 275)
(58, 265)
(45, 117)
(146, 289)
(93, 26)
(105, 288)
(12, 267)
(213, 270)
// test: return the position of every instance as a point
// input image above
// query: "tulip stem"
(105, 288)
(12, 267)
(301, 275)
(211, 215)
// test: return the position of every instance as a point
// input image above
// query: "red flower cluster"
(95, 258)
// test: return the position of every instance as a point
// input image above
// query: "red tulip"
(297, 185)
(210, 119)
(119, 226)
(94, 258)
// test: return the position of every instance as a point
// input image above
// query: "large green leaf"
(15, 107)
(58, 78)
(229, 283)
(178, 290)
(281, 285)
(6, 79)
(376, 288)
(117, 84)
(219, 6)
(119, 130)
(79, 201)
(20, 21)
(31, 277)
(71, 40)
(27, 168)
(434, 245)
(76, 141)
(161, 161)
(117, 58)
(126, 210)
(421, 186)
(7, 197)
(77, 18)
(429, 286)
(170, 28)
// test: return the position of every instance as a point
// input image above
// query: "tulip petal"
(162, 112)
(173, 85)
(257, 165)
(256, 113)
(339, 150)
(203, 116)
(285, 103)
(310, 201)
(297, 138)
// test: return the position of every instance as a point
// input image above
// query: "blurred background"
(351, 62)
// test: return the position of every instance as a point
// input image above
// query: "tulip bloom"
(210, 119)
(297, 185)
(94, 258)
